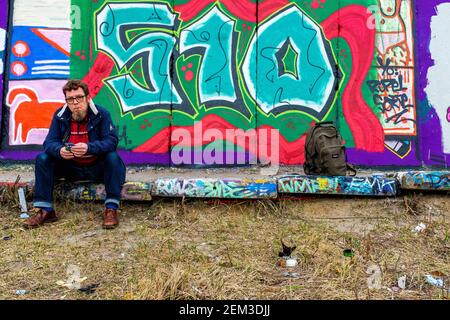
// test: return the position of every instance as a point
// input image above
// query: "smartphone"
(68, 146)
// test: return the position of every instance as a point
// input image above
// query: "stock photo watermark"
(227, 147)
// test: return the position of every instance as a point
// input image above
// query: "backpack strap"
(309, 168)
(349, 166)
(325, 124)
(352, 169)
(309, 140)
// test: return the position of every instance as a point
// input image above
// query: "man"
(80, 145)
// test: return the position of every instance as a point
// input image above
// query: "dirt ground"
(210, 249)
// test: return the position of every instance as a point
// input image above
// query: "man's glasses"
(73, 99)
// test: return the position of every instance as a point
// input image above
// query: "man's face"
(78, 103)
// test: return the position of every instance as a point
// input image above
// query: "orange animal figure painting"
(31, 114)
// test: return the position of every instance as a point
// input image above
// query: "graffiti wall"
(231, 82)
(433, 96)
(3, 28)
(374, 186)
(39, 65)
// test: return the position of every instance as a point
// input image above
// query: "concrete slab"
(143, 183)
(363, 186)
(131, 191)
(424, 180)
(216, 188)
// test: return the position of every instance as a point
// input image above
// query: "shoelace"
(38, 216)
(109, 213)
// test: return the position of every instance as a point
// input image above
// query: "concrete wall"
(180, 77)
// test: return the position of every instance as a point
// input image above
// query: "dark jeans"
(109, 169)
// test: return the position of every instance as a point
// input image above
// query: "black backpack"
(325, 152)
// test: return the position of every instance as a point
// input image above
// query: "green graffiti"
(212, 37)
(228, 64)
(154, 47)
(309, 85)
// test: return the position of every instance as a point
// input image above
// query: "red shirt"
(79, 133)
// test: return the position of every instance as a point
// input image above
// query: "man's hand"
(66, 155)
(79, 149)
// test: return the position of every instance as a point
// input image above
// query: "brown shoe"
(110, 219)
(40, 218)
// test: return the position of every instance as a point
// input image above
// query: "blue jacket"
(102, 133)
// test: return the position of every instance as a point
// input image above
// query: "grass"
(210, 249)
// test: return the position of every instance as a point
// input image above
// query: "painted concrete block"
(422, 180)
(135, 191)
(215, 188)
(365, 186)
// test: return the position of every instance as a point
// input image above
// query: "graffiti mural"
(201, 82)
(439, 72)
(215, 188)
(39, 64)
(393, 89)
(134, 191)
(432, 77)
(372, 186)
(3, 28)
(32, 104)
(421, 180)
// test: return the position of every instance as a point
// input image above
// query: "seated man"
(80, 145)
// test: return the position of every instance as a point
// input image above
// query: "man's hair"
(74, 85)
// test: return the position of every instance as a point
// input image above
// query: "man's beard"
(78, 116)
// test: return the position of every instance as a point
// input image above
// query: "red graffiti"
(188, 74)
(290, 152)
(315, 4)
(159, 143)
(102, 68)
(31, 114)
(243, 9)
(350, 23)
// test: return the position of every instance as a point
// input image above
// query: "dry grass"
(210, 249)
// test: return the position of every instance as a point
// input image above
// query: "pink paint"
(21, 49)
(290, 152)
(32, 105)
(18, 68)
(448, 114)
(101, 69)
(243, 9)
(57, 38)
(315, 4)
(189, 75)
(350, 23)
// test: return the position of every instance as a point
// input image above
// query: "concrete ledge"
(216, 188)
(370, 185)
(134, 191)
(424, 180)
(364, 186)
(169, 187)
